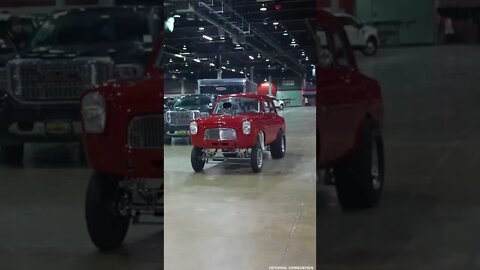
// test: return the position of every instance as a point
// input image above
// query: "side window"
(340, 51)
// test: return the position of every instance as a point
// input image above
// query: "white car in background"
(361, 36)
(279, 104)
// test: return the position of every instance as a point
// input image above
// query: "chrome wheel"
(259, 158)
(375, 169)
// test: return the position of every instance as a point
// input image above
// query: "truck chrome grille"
(181, 118)
(56, 80)
(220, 134)
(146, 132)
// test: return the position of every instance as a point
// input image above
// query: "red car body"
(110, 152)
(267, 123)
(345, 98)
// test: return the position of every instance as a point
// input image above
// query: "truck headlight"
(128, 71)
(247, 127)
(93, 112)
(193, 128)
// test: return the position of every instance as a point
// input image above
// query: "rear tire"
(359, 179)
(279, 147)
(196, 159)
(256, 157)
(12, 154)
(106, 226)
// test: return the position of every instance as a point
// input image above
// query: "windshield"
(97, 27)
(193, 101)
(239, 106)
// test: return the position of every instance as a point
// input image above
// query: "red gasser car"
(123, 139)
(349, 118)
(241, 126)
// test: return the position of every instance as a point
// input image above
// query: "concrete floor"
(428, 218)
(42, 218)
(229, 218)
(430, 213)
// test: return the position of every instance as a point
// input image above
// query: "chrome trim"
(89, 79)
(146, 132)
(172, 117)
(222, 134)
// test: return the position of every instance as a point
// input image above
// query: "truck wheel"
(359, 179)
(282, 106)
(256, 158)
(279, 146)
(198, 163)
(371, 47)
(12, 154)
(106, 226)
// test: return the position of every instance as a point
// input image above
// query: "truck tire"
(279, 146)
(359, 179)
(371, 47)
(196, 159)
(12, 154)
(106, 226)
(256, 157)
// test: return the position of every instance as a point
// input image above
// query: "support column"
(252, 70)
(182, 86)
(270, 85)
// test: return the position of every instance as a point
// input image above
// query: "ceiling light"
(207, 37)
(251, 57)
(222, 37)
(224, 67)
(176, 16)
(275, 23)
(241, 72)
(238, 48)
(186, 64)
(233, 70)
(259, 56)
(212, 64)
(197, 60)
(268, 60)
(263, 8)
(171, 61)
(201, 28)
(238, 45)
(285, 33)
(179, 56)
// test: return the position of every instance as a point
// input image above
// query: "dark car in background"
(185, 109)
(71, 52)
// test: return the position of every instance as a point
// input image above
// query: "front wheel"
(282, 106)
(106, 226)
(197, 160)
(256, 157)
(371, 47)
(360, 178)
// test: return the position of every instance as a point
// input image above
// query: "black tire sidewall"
(276, 147)
(375, 44)
(196, 159)
(253, 158)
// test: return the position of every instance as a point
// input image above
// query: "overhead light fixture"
(285, 33)
(251, 57)
(238, 45)
(170, 61)
(201, 28)
(197, 60)
(275, 23)
(233, 70)
(179, 56)
(268, 60)
(222, 37)
(212, 64)
(259, 56)
(241, 72)
(238, 48)
(207, 37)
(224, 67)
(176, 16)
(186, 64)
(263, 8)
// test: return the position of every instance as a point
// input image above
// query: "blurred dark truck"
(41, 86)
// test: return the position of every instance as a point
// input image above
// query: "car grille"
(220, 134)
(181, 118)
(56, 80)
(146, 132)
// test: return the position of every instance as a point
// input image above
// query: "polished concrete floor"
(230, 218)
(430, 213)
(42, 218)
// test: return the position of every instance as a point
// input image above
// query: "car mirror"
(325, 58)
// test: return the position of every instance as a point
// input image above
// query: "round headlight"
(193, 128)
(247, 127)
(93, 112)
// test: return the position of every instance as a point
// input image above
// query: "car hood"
(227, 120)
(120, 53)
(191, 108)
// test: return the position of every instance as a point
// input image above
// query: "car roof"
(244, 95)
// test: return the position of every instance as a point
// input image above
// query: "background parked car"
(279, 104)
(361, 36)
